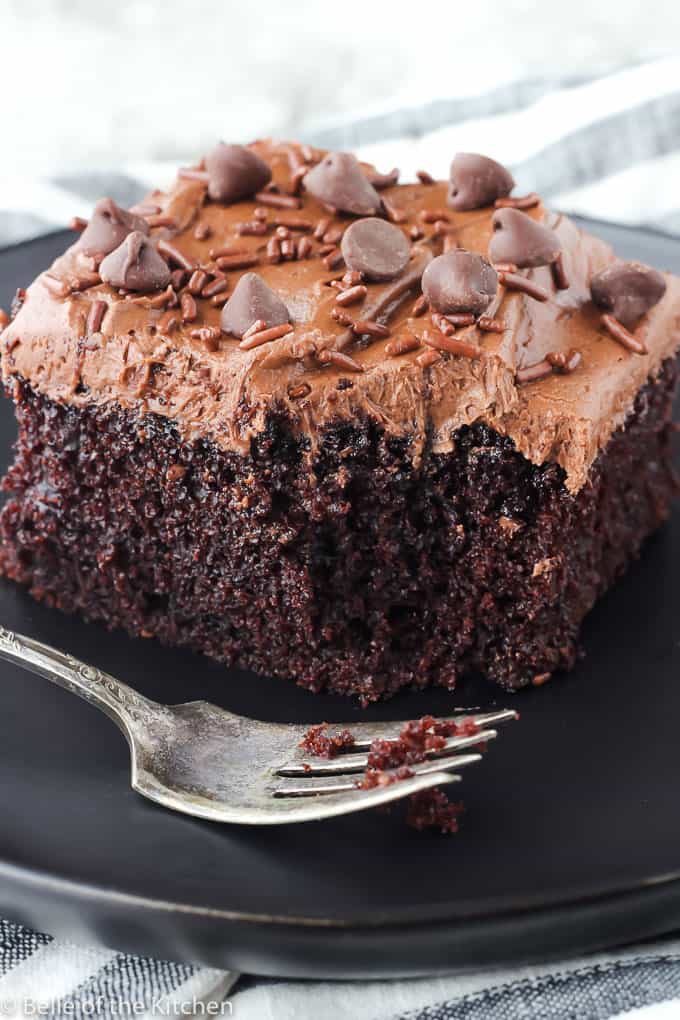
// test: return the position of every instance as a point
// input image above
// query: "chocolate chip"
(459, 281)
(476, 181)
(108, 226)
(234, 172)
(338, 181)
(627, 290)
(519, 239)
(135, 265)
(252, 301)
(376, 249)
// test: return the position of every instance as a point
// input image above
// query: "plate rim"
(293, 951)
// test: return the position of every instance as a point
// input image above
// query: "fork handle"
(120, 702)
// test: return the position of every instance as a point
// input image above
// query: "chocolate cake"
(366, 435)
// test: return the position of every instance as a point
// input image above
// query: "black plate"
(571, 839)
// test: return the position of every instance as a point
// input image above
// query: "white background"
(100, 83)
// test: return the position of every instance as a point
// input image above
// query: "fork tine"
(299, 809)
(366, 733)
(291, 787)
(346, 764)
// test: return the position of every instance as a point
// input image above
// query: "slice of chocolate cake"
(363, 435)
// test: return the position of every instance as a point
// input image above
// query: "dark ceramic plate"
(571, 839)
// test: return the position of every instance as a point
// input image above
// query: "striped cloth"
(40, 977)
(608, 148)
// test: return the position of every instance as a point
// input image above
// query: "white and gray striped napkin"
(40, 977)
(608, 148)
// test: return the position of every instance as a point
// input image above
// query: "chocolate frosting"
(324, 368)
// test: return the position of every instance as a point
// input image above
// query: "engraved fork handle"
(125, 706)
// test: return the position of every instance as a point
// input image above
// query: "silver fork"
(206, 761)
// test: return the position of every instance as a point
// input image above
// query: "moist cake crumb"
(389, 762)
(316, 741)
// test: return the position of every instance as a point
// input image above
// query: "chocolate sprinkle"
(366, 327)
(461, 319)
(352, 295)
(489, 325)
(198, 280)
(188, 307)
(257, 327)
(304, 247)
(477, 181)
(451, 345)
(294, 223)
(218, 286)
(278, 201)
(161, 220)
(252, 300)
(338, 181)
(402, 345)
(273, 250)
(459, 281)
(237, 261)
(299, 391)
(627, 290)
(619, 332)
(541, 370)
(513, 281)
(565, 362)
(208, 334)
(333, 258)
(340, 360)
(178, 278)
(376, 249)
(95, 316)
(264, 336)
(523, 202)
(252, 228)
(427, 358)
